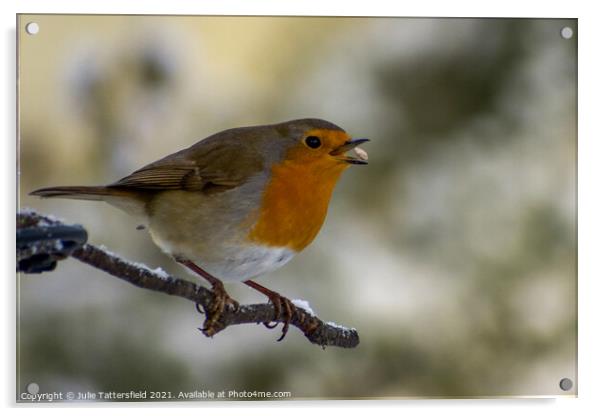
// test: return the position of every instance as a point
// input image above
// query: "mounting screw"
(566, 32)
(566, 384)
(32, 28)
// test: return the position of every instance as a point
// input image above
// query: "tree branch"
(314, 329)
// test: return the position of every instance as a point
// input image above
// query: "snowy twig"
(316, 331)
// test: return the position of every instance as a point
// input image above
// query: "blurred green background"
(453, 252)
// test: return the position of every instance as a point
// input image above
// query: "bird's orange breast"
(295, 201)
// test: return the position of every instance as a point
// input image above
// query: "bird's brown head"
(320, 145)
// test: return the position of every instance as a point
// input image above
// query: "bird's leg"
(278, 301)
(220, 296)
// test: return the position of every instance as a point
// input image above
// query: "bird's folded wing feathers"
(211, 170)
(163, 178)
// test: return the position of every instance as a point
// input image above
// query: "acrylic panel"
(451, 255)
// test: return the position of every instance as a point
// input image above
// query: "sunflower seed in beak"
(361, 153)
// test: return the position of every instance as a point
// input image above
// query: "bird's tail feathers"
(92, 193)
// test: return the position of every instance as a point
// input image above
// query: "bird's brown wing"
(163, 178)
(208, 166)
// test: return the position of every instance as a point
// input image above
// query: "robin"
(238, 204)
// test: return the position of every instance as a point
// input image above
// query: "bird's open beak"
(362, 156)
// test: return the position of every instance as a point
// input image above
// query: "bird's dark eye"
(313, 142)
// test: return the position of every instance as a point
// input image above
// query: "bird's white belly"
(233, 263)
(247, 263)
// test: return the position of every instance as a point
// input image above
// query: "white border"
(508, 8)
(590, 203)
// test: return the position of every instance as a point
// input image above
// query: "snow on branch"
(314, 329)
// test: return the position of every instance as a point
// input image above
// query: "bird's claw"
(199, 308)
(278, 301)
(214, 311)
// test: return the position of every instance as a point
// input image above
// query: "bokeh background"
(453, 252)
